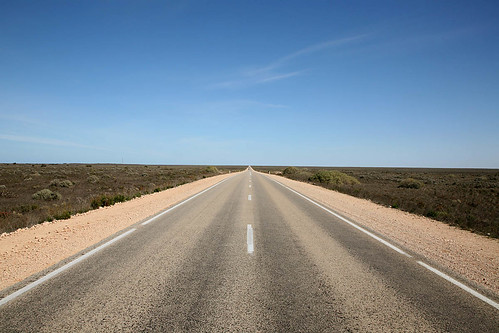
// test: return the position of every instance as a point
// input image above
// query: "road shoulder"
(27, 251)
(472, 256)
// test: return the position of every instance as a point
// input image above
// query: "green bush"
(26, 208)
(93, 179)
(61, 183)
(212, 169)
(47, 195)
(334, 177)
(104, 200)
(63, 216)
(98, 202)
(410, 183)
(290, 171)
(119, 198)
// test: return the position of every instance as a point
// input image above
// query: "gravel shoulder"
(472, 256)
(27, 251)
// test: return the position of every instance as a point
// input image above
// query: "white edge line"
(393, 247)
(249, 239)
(92, 252)
(183, 202)
(434, 270)
(62, 269)
(460, 285)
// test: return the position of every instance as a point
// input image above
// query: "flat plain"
(34, 193)
(191, 269)
(467, 198)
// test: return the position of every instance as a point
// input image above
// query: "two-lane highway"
(247, 255)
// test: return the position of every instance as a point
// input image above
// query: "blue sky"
(338, 83)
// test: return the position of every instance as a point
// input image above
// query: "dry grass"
(468, 198)
(34, 193)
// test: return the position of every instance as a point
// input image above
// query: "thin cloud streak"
(21, 119)
(280, 77)
(45, 141)
(266, 74)
(305, 51)
(254, 80)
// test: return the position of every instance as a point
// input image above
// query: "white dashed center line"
(249, 239)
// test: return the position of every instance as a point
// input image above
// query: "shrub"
(63, 216)
(93, 179)
(104, 200)
(26, 208)
(101, 201)
(212, 169)
(61, 183)
(47, 195)
(334, 177)
(302, 175)
(289, 171)
(119, 198)
(410, 183)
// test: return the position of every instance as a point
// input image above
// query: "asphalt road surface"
(247, 255)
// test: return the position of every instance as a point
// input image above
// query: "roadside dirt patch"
(30, 250)
(472, 256)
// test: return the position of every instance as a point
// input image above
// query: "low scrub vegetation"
(212, 169)
(333, 177)
(61, 183)
(411, 183)
(104, 200)
(46, 195)
(462, 197)
(290, 171)
(34, 193)
(93, 179)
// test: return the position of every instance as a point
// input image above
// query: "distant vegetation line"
(467, 198)
(35, 193)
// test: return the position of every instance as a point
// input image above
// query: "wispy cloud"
(280, 77)
(227, 107)
(269, 73)
(253, 79)
(46, 141)
(306, 51)
(21, 119)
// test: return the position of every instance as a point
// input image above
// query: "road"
(247, 255)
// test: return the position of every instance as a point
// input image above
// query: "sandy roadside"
(30, 250)
(472, 256)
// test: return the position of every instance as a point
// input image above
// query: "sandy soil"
(30, 250)
(472, 256)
